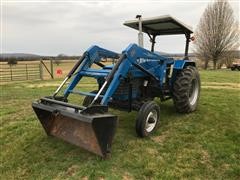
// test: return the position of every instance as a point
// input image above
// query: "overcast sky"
(70, 27)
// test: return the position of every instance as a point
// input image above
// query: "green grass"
(221, 76)
(201, 145)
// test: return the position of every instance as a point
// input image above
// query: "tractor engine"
(128, 89)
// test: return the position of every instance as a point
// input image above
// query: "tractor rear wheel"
(186, 90)
(147, 118)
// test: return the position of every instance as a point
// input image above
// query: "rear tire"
(147, 119)
(186, 90)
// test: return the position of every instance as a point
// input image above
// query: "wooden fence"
(20, 72)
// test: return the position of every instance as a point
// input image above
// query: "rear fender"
(180, 64)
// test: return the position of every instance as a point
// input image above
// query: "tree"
(217, 33)
(57, 61)
(12, 61)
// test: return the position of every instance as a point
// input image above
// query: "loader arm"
(92, 55)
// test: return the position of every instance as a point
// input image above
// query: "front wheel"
(186, 90)
(88, 99)
(147, 119)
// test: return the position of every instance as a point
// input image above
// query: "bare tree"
(217, 33)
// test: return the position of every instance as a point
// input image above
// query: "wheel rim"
(151, 120)
(193, 92)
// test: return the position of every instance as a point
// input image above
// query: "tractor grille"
(123, 89)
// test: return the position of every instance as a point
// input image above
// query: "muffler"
(91, 128)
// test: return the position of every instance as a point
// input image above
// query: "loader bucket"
(93, 132)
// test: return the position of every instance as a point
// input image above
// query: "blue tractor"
(131, 83)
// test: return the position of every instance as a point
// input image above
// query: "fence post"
(51, 64)
(26, 72)
(11, 72)
(40, 71)
(49, 71)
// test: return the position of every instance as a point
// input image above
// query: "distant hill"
(19, 55)
(31, 57)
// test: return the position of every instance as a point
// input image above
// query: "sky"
(70, 27)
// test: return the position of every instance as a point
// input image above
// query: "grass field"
(201, 145)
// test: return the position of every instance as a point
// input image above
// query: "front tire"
(186, 90)
(88, 99)
(147, 119)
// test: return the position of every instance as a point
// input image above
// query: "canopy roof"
(161, 25)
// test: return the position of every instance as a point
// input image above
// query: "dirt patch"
(221, 84)
(206, 159)
(220, 87)
(127, 176)
(205, 156)
(225, 166)
(84, 178)
(42, 85)
(216, 85)
(160, 139)
(152, 151)
(72, 170)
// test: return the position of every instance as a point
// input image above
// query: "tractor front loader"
(132, 83)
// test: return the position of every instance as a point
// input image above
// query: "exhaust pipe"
(140, 34)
